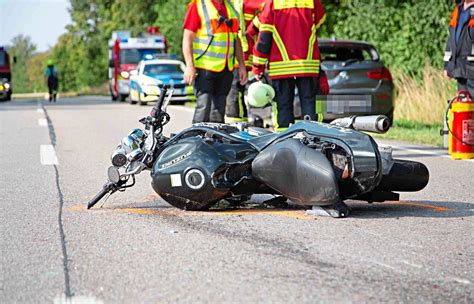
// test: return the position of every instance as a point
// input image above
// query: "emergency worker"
(211, 47)
(459, 54)
(52, 80)
(236, 109)
(288, 40)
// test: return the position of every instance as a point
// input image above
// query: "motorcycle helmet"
(50, 62)
(260, 94)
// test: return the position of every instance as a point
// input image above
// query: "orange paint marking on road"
(296, 214)
(429, 206)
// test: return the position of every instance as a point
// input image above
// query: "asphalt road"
(138, 249)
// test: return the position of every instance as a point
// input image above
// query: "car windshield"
(346, 53)
(133, 56)
(2, 58)
(156, 69)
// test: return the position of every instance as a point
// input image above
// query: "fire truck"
(5, 75)
(124, 54)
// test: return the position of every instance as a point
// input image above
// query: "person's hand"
(324, 85)
(445, 72)
(258, 71)
(243, 75)
(189, 74)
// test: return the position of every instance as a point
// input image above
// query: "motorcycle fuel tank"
(184, 173)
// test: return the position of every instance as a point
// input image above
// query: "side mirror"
(111, 63)
(133, 72)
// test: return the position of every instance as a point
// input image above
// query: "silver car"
(359, 82)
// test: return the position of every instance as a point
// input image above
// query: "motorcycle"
(312, 164)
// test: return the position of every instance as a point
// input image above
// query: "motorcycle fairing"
(365, 161)
(202, 170)
(298, 172)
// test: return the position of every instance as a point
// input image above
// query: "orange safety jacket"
(287, 38)
(214, 45)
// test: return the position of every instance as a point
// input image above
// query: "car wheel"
(143, 103)
(130, 100)
(122, 97)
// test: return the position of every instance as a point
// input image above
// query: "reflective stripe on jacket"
(459, 57)
(214, 45)
(287, 38)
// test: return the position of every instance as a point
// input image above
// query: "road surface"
(138, 249)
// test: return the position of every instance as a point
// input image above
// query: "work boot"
(337, 210)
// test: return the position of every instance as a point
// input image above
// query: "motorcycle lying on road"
(312, 164)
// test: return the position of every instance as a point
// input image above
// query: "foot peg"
(337, 210)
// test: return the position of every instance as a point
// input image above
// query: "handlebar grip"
(99, 196)
(159, 104)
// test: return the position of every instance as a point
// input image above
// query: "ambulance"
(125, 52)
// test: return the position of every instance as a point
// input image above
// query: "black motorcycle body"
(311, 164)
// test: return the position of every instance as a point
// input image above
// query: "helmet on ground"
(50, 62)
(260, 94)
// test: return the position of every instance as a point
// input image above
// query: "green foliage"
(408, 34)
(22, 48)
(170, 16)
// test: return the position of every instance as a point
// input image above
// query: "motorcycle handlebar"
(107, 187)
(157, 108)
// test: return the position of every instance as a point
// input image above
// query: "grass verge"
(414, 132)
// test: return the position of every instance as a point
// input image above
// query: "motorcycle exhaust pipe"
(375, 123)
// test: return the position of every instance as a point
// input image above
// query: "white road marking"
(77, 300)
(411, 264)
(424, 152)
(48, 155)
(40, 110)
(42, 122)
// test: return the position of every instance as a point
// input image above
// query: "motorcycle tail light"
(380, 74)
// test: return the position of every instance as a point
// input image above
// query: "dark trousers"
(285, 95)
(235, 109)
(52, 87)
(211, 91)
(466, 85)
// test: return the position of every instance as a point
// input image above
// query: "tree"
(22, 48)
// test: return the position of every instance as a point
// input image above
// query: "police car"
(152, 74)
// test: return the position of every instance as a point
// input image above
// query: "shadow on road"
(360, 210)
(429, 209)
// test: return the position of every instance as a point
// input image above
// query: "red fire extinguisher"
(460, 121)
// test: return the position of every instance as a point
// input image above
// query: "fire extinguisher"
(459, 119)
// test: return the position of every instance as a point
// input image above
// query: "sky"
(43, 20)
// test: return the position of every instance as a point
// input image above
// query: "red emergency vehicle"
(5, 76)
(124, 54)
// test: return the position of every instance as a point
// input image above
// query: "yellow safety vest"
(214, 45)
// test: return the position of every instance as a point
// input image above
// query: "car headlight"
(124, 74)
(6, 85)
